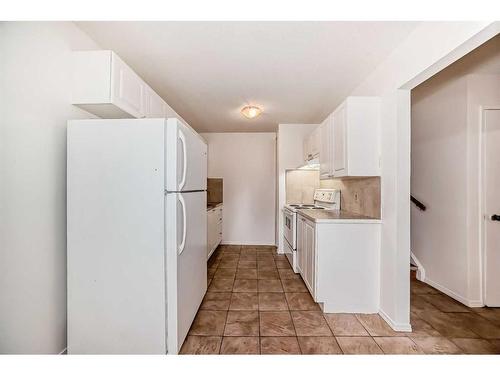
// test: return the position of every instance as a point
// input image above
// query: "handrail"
(417, 203)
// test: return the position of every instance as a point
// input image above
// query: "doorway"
(491, 205)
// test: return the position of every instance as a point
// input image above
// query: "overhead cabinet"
(103, 84)
(350, 136)
(312, 144)
(325, 155)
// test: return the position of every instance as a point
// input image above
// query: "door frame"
(482, 204)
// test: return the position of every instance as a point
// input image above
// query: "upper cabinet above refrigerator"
(103, 84)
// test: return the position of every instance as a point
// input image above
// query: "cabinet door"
(325, 154)
(315, 140)
(307, 153)
(339, 139)
(310, 256)
(300, 245)
(128, 89)
(210, 230)
(155, 105)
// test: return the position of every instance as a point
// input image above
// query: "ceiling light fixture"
(251, 111)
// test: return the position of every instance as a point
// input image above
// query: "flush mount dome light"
(251, 111)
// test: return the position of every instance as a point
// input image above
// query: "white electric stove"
(324, 199)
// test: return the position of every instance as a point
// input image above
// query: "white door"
(339, 139)
(154, 104)
(212, 234)
(186, 238)
(300, 245)
(326, 153)
(309, 254)
(127, 88)
(186, 158)
(492, 207)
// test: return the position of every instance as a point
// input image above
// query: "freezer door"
(186, 239)
(185, 158)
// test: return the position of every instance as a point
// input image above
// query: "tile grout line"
(291, 317)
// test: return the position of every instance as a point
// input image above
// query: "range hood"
(312, 164)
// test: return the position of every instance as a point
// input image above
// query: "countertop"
(325, 216)
(211, 206)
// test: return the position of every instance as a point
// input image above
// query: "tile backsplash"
(215, 187)
(360, 195)
(300, 185)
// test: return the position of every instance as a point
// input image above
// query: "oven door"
(289, 227)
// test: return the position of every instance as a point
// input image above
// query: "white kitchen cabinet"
(306, 252)
(300, 245)
(326, 149)
(339, 140)
(309, 255)
(312, 144)
(103, 84)
(307, 149)
(214, 229)
(154, 104)
(128, 90)
(315, 142)
(339, 263)
(356, 143)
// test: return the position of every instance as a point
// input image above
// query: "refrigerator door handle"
(182, 137)
(184, 229)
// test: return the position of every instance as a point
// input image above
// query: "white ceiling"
(298, 72)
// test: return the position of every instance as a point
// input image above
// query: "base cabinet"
(214, 229)
(339, 263)
(306, 253)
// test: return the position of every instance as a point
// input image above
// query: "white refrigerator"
(137, 234)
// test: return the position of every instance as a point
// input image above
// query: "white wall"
(290, 155)
(439, 175)
(446, 175)
(247, 163)
(35, 105)
(411, 63)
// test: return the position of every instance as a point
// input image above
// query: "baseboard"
(399, 327)
(452, 294)
(247, 243)
(420, 267)
(64, 351)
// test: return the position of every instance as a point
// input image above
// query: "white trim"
(452, 294)
(64, 351)
(420, 267)
(247, 243)
(399, 327)
(482, 205)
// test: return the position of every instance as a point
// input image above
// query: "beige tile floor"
(256, 304)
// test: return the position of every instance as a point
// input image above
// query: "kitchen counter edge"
(317, 216)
